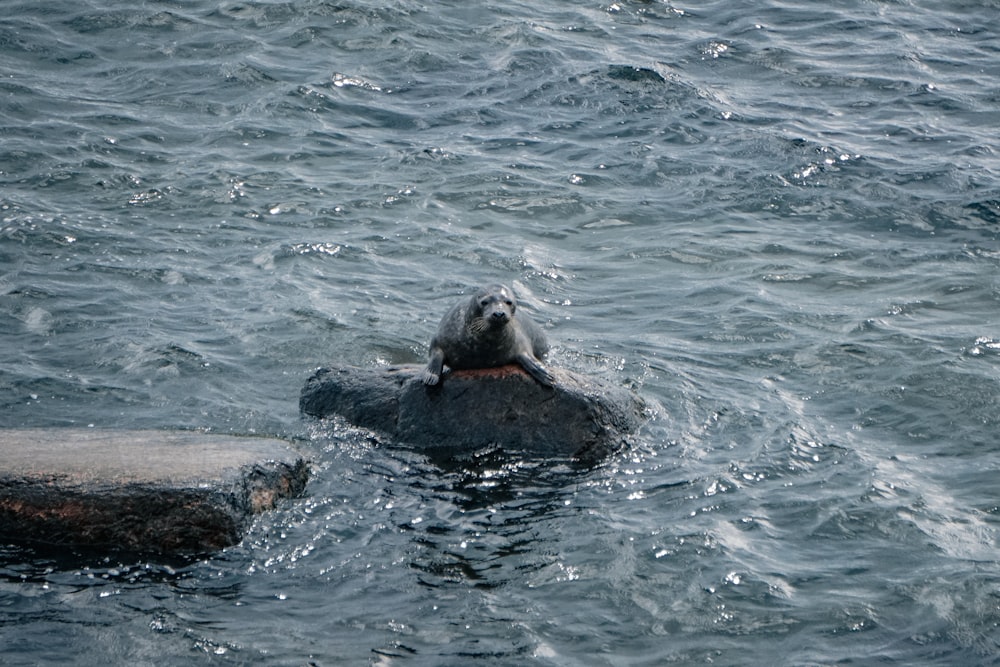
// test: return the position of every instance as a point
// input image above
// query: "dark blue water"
(777, 220)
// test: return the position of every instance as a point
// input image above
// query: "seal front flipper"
(432, 373)
(535, 368)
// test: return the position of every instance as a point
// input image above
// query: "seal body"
(487, 331)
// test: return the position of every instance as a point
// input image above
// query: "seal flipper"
(535, 368)
(432, 374)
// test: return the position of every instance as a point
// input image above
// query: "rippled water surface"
(777, 220)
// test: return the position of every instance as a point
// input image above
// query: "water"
(777, 220)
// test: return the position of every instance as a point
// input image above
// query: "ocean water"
(776, 220)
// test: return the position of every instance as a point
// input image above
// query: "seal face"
(487, 331)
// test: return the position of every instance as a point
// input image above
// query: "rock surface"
(580, 417)
(157, 491)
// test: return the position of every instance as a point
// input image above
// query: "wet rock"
(580, 417)
(148, 491)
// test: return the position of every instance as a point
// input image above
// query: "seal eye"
(484, 303)
(509, 302)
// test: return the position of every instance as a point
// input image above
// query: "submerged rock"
(580, 417)
(157, 491)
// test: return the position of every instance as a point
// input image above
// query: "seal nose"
(499, 316)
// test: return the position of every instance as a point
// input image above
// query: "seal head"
(486, 331)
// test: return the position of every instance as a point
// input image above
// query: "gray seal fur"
(483, 332)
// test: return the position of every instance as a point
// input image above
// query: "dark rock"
(580, 417)
(146, 491)
(635, 74)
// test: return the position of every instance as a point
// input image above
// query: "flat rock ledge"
(581, 417)
(171, 492)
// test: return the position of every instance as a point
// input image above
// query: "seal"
(483, 332)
